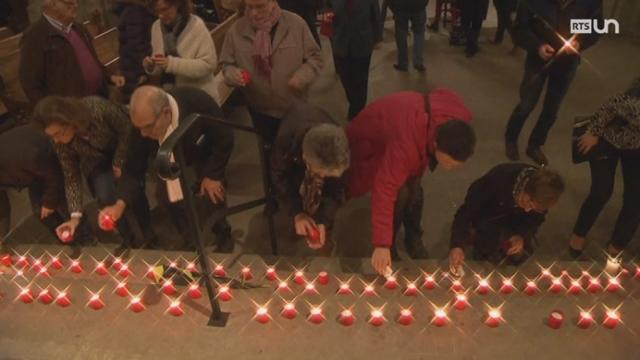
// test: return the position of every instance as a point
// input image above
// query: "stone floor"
(489, 84)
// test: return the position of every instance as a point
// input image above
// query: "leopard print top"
(618, 122)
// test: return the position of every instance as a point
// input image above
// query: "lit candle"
(45, 297)
(124, 271)
(556, 286)
(456, 286)
(439, 318)
(122, 289)
(429, 282)
(369, 291)
(117, 264)
(22, 261)
(546, 274)
(612, 319)
(262, 315)
(638, 272)
(531, 288)
(37, 265)
(310, 289)
(101, 269)
(323, 278)
(271, 274)
(483, 287)
(411, 290)
(168, 288)
(555, 320)
(613, 285)
(219, 271)
(224, 293)
(76, 267)
(461, 302)
(107, 222)
(507, 286)
(377, 318)
(406, 317)
(194, 291)
(493, 318)
(315, 315)
(575, 288)
(345, 289)
(585, 320)
(246, 274)
(298, 278)
(391, 283)
(151, 273)
(289, 311)
(43, 272)
(283, 287)
(594, 285)
(6, 260)
(192, 267)
(136, 304)
(346, 318)
(624, 272)
(63, 299)
(175, 309)
(95, 302)
(26, 296)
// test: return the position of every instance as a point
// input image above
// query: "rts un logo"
(590, 26)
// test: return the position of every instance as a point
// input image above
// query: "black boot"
(225, 242)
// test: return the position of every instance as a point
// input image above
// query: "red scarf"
(262, 44)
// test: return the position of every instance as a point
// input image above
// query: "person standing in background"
(403, 12)
(473, 13)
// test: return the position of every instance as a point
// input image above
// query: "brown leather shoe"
(536, 154)
(511, 150)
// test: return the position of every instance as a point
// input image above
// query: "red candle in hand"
(246, 77)
(323, 277)
(315, 315)
(585, 320)
(271, 274)
(612, 319)
(175, 309)
(556, 319)
(289, 311)
(411, 290)
(377, 318)
(107, 222)
(493, 318)
(246, 274)
(63, 299)
(224, 293)
(346, 318)
(406, 317)
(45, 297)
(439, 318)
(136, 305)
(262, 315)
(461, 302)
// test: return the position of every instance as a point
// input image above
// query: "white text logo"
(590, 26)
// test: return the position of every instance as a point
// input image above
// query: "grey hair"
(156, 98)
(327, 146)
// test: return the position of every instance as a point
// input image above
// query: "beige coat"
(295, 53)
(198, 58)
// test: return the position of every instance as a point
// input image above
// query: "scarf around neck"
(311, 192)
(262, 49)
(170, 34)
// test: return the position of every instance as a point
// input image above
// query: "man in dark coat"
(310, 154)
(502, 213)
(57, 56)
(540, 28)
(207, 147)
(403, 12)
(473, 13)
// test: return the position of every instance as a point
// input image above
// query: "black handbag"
(601, 150)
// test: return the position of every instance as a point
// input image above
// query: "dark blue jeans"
(559, 76)
(418, 22)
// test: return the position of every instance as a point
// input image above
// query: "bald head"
(150, 111)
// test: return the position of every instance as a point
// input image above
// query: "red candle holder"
(63, 299)
(298, 278)
(585, 320)
(283, 287)
(556, 286)
(246, 274)
(124, 271)
(456, 286)
(594, 285)
(614, 285)
(289, 311)
(271, 274)
(26, 296)
(546, 274)
(483, 287)
(391, 283)
(194, 291)
(37, 265)
(376, 318)
(192, 267)
(6, 260)
(531, 288)
(575, 288)
(101, 269)
(117, 264)
(45, 297)
(556, 319)
(323, 278)
(429, 282)
(168, 288)
(316, 316)
(107, 222)
(439, 318)
(22, 262)
(219, 271)
(406, 317)
(346, 318)
(369, 290)
(66, 236)
(262, 315)
(43, 272)
(76, 267)
(122, 289)
(345, 289)
(310, 289)
(494, 317)
(411, 290)
(461, 302)
(507, 286)
(611, 319)
(136, 305)
(638, 272)
(95, 302)
(246, 80)
(175, 309)
(224, 293)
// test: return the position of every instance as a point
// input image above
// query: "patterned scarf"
(262, 44)
(170, 34)
(311, 192)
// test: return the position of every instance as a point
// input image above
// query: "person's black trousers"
(408, 212)
(472, 14)
(603, 173)
(504, 8)
(354, 75)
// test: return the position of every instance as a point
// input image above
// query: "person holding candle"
(613, 137)
(393, 141)
(553, 54)
(155, 115)
(310, 154)
(502, 212)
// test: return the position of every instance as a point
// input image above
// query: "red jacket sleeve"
(390, 177)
